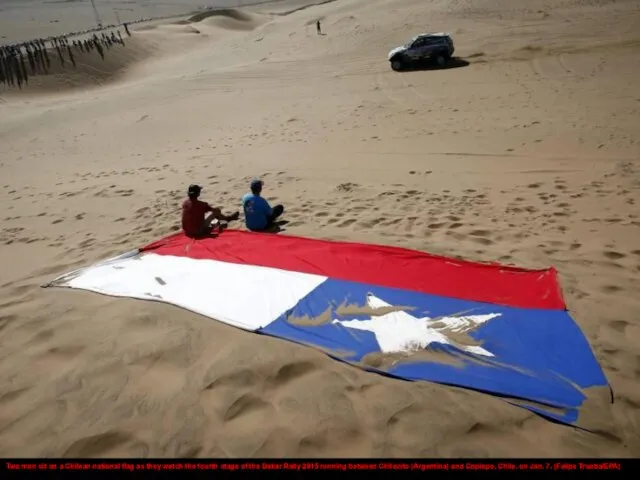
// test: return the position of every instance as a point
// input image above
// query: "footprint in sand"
(613, 255)
(480, 233)
(612, 288)
(346, 223)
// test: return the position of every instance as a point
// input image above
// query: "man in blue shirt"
(258, 214)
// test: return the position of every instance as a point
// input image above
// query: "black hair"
(194, 191)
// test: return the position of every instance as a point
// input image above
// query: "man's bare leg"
(210, 220)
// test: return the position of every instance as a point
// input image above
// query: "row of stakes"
(38, 54)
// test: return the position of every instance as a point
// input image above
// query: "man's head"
(256, 186)
(194, 191)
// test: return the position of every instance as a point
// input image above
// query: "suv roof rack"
(439, 34)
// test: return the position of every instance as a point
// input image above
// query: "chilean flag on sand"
(403, 313)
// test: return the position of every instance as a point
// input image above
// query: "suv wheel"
(397, 64)
(441, 60)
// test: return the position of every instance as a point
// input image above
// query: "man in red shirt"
(194, 223)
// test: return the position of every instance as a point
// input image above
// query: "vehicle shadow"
(455, 62)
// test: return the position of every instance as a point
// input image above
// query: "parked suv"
(437, 47)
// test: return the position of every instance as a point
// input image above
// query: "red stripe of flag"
(376, 264)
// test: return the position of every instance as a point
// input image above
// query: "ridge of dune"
(233, 13)
(228, 19)
(526, 154)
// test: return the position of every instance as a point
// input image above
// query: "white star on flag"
(401, 332)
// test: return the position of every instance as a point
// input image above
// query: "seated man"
(258, 214)
(194, 223)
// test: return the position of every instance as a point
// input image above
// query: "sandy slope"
(528, 155)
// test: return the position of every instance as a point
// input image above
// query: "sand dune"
(227, 18)
(526, 154)
(26, 19)
(153, 41)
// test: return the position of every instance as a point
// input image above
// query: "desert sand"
(527, 153)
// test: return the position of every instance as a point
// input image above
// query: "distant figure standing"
(258, 214)
(318, 28)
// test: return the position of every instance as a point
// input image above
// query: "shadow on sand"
(276, 227)
(218, 229)
(455, 62)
